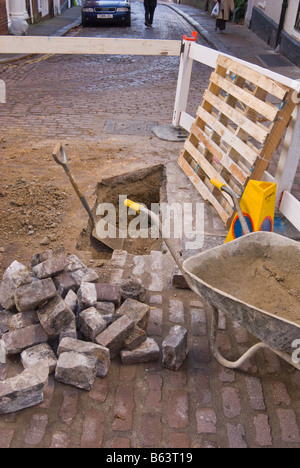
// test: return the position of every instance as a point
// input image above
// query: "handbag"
(216, 10)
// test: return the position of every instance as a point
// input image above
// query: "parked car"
(105, 11)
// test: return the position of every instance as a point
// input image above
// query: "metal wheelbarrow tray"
(277, 331)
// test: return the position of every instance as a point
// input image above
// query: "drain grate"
(273, 60)
(128, 127)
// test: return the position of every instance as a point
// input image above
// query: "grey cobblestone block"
(114, 336)
(55, 316)
(65, 283)
(22, 320)
(16, 341)
(41, 353)
(146, 352)
(30, 296)
(236, 436)
(135, 339)
(136, 311)
(198, 322)
(91, 323)
(24, 390)
(176, 311)
(87, 295)
(15, 275)
(76, 369)
(101, 353)
(206, 421)
(108, 293)
(174, 348)
(55, 264)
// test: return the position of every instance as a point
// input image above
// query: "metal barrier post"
(2, 92)
(184, 79)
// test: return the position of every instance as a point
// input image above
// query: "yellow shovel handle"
(133, 205)
(217, 183)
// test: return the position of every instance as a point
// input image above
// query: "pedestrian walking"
(150, 6)
(225, 8)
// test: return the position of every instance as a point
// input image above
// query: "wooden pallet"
(237, 129)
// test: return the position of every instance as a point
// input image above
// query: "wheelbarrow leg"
(236, 364)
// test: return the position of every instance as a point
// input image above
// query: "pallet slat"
(201, 187)
(261, 81)
(227, 136)
(269, 111)
(227, 139)
(258, 132)
(240, 175)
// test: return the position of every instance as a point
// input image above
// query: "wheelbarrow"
(276, 332)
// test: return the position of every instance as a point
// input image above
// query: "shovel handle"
(59, 149)
(133, 205)
(224, 188)
(58, 153)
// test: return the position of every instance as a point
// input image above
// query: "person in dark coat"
(226, 6)
(150, 6)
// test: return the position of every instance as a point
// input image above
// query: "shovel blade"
(114, 244)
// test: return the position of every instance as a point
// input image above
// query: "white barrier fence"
(188, 51)
(288, 164)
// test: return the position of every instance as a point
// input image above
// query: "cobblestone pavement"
(202, 404)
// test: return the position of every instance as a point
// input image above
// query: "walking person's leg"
(147, 12)
(152, 10)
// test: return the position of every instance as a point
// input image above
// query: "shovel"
(59, 156)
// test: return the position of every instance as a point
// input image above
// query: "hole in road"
(146, 186)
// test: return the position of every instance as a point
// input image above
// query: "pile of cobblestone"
(60, 319)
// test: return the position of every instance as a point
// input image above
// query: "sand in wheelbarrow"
(268, 280)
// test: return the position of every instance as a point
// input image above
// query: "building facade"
(3, 17)
(31, 11)
(277, 22)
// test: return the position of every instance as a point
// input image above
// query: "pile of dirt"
(30, 209)
(266, 280)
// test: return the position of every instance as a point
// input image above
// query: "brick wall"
(3, 18)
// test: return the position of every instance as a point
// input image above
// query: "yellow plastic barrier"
(258, 206)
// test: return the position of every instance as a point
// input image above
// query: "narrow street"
(102, 107)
